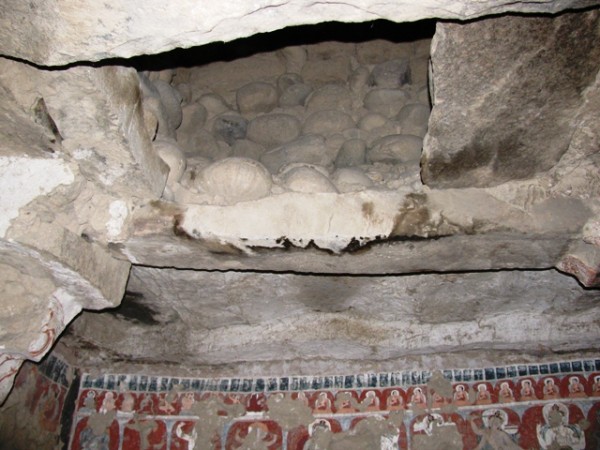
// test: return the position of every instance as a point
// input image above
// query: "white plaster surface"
(331, 221)
(67, 305)
(9, 365)
(23, 179)
(118, 215)
(62, 308)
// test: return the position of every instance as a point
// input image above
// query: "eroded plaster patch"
(68, 304)
(118, 214)
(23, 179)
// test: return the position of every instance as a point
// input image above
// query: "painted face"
(495, 422)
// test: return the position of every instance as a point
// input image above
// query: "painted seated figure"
(557, 433)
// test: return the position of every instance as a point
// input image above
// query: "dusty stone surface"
(438, 223)
(294, 95)
(274, 130)
(100, 153)
(45, 34)
(323, 123)
(230, 127)
(413, 119)
(350, 180)
(171, 99)
(327, 122)
(307, 179)
(519, 97)
(387, 102)
(455, 253)
(173, 157)
(403, 148)
(234, 180)
(352, 153)
(262, 318)
(256, 97)
(392, 74)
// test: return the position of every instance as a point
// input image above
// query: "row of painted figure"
(547, 412)
(548, 426)
(351, 401)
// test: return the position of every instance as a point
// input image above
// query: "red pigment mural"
(541, 407)
(38, 411)
(45, 398)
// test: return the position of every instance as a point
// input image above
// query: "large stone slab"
(508, 95)
(59, 31)
(367, 232)
(197, 318)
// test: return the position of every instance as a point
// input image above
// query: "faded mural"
(545, 406)
(33, 415)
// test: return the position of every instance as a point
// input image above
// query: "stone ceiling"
(60, 32)
(226, 323)
(444, 259)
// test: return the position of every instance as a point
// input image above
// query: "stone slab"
(507, 95)
(59, 32)
(223, 319)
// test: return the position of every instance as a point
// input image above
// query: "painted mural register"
(542, 406)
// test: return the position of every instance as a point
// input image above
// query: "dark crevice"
(350, 275)
(275, 40)
(134, 309)
(69, 407)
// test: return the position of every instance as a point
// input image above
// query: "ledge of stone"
(367, 232)
(59, 32)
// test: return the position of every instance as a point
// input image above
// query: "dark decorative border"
(56, 370)
(144, 383)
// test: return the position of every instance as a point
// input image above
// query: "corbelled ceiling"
(294, 207)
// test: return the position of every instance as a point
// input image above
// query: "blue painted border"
(407, 378)
(56, 370)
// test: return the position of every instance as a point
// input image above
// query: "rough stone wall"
(68, 139)
(516, 98)
(39, 410)
(528, 202)
(546, 406)
(509, 94)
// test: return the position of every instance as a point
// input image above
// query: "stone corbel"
(582, 260)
